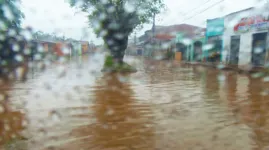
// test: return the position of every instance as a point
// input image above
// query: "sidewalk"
(240, 69)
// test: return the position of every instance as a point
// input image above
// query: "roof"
(178, 28)
(215, 18)
(84, 42)
(233, 13)
(164, 37)
(169, 32)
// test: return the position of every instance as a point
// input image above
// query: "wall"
(245, 49)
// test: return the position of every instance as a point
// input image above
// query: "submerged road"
(164, 106)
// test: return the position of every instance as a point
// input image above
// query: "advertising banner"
(253, 23)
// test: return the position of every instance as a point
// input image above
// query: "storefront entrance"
(258, 49)
(234, 51)
(215, 53)
(197, 50)
(183, 49)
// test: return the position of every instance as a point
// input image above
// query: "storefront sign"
(252, 23)
(215, 27)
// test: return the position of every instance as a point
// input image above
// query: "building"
(246, 37)
(164, 37)
(214, 39)
(85, 47)
(189, 43)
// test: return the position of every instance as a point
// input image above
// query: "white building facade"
(246, 38)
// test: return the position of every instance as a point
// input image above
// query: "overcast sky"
(57, 16)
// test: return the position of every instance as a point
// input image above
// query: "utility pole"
(153, 26)
(153, 35)
(135, 38)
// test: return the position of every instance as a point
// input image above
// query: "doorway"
(258, 49)
(183, 49)
(234, 50)
(214, 54)
(197, 50)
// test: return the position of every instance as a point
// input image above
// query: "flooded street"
(164, 106)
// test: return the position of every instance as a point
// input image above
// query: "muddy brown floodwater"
(164, 106)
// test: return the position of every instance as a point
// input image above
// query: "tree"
(10, 14)
(115, 20)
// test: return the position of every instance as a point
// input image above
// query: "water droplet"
(20, 71)
(208, 47)
(6, 127)
(40, 49)
(11, 32)
(96, 25)
(13, 136)
(265, 92)
(129, 7)
(104, 1)
(102, 16)
(65, 50)
(187, 41)
(122, 79)
(257, 75)
(165, 46)
(110, 42)
(258, 50)
(15, 47)
(105, 126)
(3, 26)
(2, 37)
(24, 123)
(266, 79)
(2, 109)
(221, 78)
(266, 65)
(103, 33)
(2, 97)
(27, 34)
(114, 26)
(110, 112)
(19, 58)
(119, 36)
(55, 116)
(42, 132)
(111, 9)
(27, 51)
(7, 12)
(37, 57)
(47, 86)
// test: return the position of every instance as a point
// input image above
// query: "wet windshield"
(134, 75)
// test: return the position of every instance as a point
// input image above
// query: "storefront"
(214, 37)
(183, 46)
(197, 48)
(246, 36)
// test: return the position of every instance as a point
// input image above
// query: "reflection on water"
(120, 122)
(12, 122)
(258, 114)
(165, 105)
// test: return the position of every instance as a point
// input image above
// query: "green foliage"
(110, 66)
(170, 55)
(10, 14)
(108, 61)
(125, 14)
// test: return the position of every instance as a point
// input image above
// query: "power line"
(215, 4)
(197, 7)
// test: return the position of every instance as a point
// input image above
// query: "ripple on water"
(168, 107)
